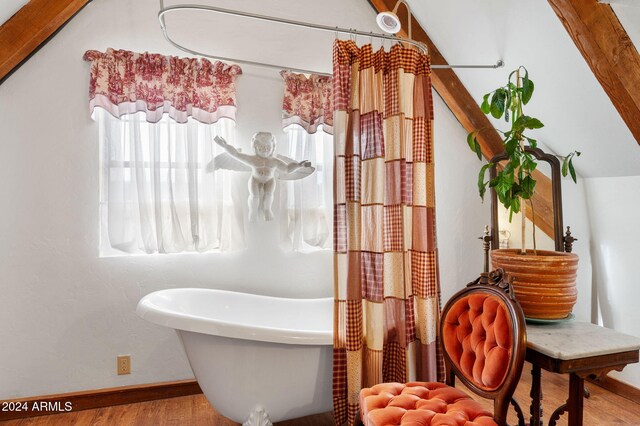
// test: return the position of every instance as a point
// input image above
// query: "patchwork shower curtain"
(387, 296)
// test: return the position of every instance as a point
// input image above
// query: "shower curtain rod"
(164, 10)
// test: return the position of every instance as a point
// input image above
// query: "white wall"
(613, 208)
(461, 216)
(66, 313)
(576, 215)
(9, 7)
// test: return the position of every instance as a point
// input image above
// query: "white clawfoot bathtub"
(251, 353)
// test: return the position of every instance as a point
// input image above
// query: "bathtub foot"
(258, 417)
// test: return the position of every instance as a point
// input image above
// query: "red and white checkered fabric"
(375, 322)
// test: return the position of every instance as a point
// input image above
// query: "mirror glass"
(509, 233)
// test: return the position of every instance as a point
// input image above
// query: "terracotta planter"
(544, 284)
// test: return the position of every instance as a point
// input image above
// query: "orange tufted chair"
(484, 343)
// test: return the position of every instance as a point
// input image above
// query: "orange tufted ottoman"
(420, 403)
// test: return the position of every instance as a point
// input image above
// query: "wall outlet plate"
(124, 364)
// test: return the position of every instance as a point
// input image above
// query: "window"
(156, 194)
(308, 202)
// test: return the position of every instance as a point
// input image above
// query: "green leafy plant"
(514, 183)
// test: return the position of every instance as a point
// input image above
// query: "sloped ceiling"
(629, 16)
(9, 7)
(568, 99)
(577, 113)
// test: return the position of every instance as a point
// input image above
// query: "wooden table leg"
(576, 396)
(536, 396)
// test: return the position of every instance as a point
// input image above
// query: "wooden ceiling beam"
(31, 26)
(468, 113)
(609, 52)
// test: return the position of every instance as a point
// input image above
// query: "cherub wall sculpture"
(264, 166)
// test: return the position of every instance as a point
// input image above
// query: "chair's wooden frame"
(497, 284)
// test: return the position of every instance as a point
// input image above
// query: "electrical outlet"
(124, 364)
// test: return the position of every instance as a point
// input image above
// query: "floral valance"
(124, 82)
(308, 101)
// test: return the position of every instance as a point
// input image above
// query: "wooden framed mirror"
(548, 218)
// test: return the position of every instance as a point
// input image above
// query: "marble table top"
(577, 339)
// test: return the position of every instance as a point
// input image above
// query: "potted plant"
(544, 281)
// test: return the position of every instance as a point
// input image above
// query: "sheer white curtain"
(156, 195)
(307, 118)
(308, 202)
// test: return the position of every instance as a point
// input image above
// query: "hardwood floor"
(180, 411)
(602, 408)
